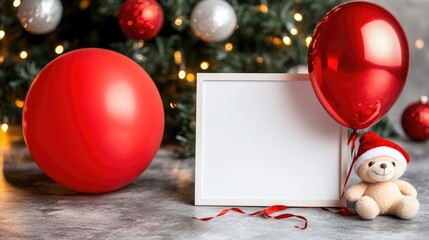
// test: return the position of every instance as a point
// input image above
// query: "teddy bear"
(380, 163)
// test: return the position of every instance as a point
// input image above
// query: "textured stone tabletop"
(159, 205)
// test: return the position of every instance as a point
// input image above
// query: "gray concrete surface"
(159, 205)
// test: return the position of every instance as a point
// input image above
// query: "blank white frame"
(264, 139)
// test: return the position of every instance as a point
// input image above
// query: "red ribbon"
(223, 212)
(352, 140)
(343, 211)
(266, 212)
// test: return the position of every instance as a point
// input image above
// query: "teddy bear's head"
(379, 160)
(380, 169)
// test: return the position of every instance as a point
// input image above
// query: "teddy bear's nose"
(383, 165)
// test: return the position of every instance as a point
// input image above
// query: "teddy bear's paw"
(406, 188)
(410, 192)
(407, 208)
(367, 208)
(352, 196)
(407, 192)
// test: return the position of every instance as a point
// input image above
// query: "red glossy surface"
(141, 19)
(415, 121)
(93, 120)
(358, 63)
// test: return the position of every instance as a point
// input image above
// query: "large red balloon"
(358, 63)
(93, 120)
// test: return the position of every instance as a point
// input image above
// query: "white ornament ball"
(213, 20)
(40, 16)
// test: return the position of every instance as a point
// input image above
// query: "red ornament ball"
(141, 19)
(415, 120)
(93, 120)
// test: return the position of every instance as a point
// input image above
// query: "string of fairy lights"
(204, 65)
(182, 73)
(59, 49)
(84, 4)
(24, 54)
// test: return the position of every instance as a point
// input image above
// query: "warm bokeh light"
(178, 57)
(182, 74)
(263, 8)
(84, 4)
(229, 47)
(287, 41)
(204, 65)
(4, 127)
(16, 3)
(23, 55)
(297, 17)
(140, 43)
(293, 31)
(19, 103)
(2, 58)
(178, 21)
(259, 59)
(59, 49)
(308, 41)
(420, 43)
(2, 34)
(172, 105)
(190, 77)
(277, 41)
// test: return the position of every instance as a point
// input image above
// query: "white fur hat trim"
(379, 152)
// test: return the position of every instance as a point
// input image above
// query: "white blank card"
(264, 139)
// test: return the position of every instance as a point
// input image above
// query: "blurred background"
(411, 14)
(269, 36)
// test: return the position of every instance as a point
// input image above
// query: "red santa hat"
(371, 146)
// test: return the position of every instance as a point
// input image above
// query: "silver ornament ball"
(213, 20)
(40, 16)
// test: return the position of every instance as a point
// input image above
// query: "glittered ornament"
(213, 20)
(141, 19)
(40, 16)
(415, 120)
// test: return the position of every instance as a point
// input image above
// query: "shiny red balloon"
(358, 63)
(93, 120)
(141, 19)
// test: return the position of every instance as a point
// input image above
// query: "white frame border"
(201, 78)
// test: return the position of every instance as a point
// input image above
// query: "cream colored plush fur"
(381, 193)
